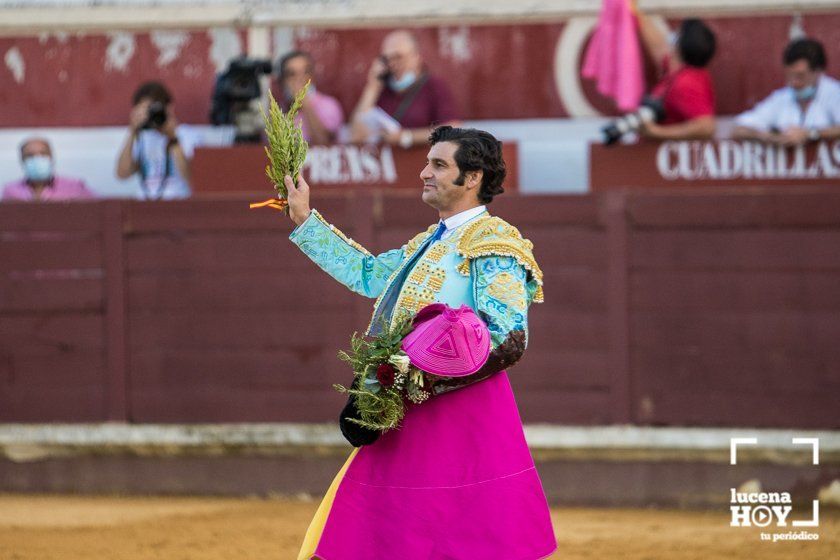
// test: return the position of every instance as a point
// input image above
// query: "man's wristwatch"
(406, 139)
(813, 135)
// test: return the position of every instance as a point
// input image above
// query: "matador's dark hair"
(477, 151)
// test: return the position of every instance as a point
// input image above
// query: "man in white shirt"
(806, 110)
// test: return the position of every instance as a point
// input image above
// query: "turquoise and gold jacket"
(485, 263)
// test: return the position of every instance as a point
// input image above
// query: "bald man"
(40, 183)
(399, 84)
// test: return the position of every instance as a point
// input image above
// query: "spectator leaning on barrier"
(157, 149)
(685, 89)
(321, 115)
(40, 183)
(400, 85)
(806, 110)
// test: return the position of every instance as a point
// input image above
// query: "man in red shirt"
(685, 89)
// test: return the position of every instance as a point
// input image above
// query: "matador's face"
(440, 178)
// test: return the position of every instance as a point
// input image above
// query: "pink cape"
(614, 57)
(455, 482)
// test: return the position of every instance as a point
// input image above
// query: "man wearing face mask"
(806, 110)
(399, 84)
(321, 115)
(40, 183)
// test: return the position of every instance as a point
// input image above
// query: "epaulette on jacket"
(491, 235)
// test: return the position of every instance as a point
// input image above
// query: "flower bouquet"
(383, 378)
(402, 364)
(286, 148)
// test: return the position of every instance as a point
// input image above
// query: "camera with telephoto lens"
(651, 110)
(156, 115)
(236, 98)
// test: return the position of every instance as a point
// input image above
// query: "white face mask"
(38, 168)
(403, 83)
(805, 94)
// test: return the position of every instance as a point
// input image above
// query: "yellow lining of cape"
(319, 521)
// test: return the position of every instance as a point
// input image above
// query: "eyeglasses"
(394, 57)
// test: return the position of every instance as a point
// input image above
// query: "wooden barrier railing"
(700, 309)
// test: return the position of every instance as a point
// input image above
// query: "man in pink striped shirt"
(321, 115)
(40, 183)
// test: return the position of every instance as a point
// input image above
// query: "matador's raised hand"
(298, 199)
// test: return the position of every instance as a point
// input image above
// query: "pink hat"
(447, 342)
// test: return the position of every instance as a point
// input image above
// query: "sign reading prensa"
(352, 164)
(242, 168)
(719, 163)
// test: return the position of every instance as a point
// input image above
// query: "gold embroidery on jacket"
(417, 240)
(421, 287)
(436, 252)
(490, 235)
(436, 279)
(339, 233)
(410, 248)
(507, 290)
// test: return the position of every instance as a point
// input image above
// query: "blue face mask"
(403, 83)
(38, 168)
(805, 94)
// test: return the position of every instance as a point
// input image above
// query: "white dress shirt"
(781, 110)
(460, 219)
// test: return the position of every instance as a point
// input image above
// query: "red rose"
(385, 375)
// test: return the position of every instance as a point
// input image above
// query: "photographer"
(685, 90)
(157, 148)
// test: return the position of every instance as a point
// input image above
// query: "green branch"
(286, 148)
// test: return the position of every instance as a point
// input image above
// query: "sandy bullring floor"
(87, 528)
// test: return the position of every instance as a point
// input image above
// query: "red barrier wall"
(712, 309)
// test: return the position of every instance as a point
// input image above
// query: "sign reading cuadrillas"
(732, 160)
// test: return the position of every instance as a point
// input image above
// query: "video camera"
(650, 110)
(236, 97)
